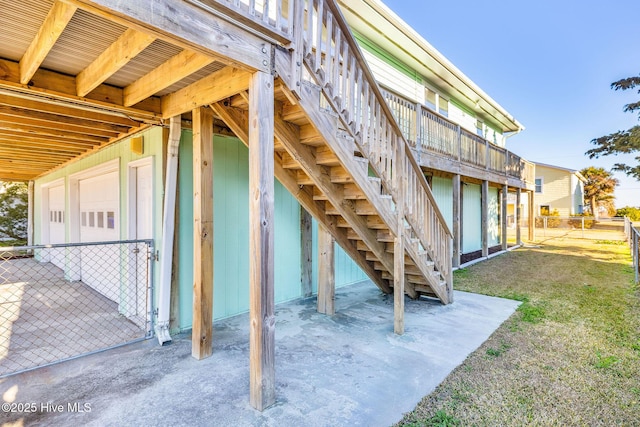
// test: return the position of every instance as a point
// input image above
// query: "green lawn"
(570, 355)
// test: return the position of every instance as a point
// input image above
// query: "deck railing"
(436, 134)
(333, 57)
(272, 16)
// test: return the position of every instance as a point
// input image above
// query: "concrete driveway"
(349, 369)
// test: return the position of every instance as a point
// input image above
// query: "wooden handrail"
(355, 50)
(332, 56)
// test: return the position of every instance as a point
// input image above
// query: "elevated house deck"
(287, 79)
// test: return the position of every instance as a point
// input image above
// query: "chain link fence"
(580, 226)
(62, 301)
(632, 234)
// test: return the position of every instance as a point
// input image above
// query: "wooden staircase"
(340, 152)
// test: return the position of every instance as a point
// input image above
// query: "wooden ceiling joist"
(172, 71)
(42, 124)
(87, 125)
(53, 26)
(35, 145)
(60, 87)
(66, 110)
(116, 56)
(53, 141)
(20, 129)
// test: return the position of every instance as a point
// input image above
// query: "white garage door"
(100, 222)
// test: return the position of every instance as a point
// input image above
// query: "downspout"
(168, 225)
(30, 207)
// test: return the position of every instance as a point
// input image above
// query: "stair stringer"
(238, 121)
(343, 147)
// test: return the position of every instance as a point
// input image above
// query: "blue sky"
(549, 63)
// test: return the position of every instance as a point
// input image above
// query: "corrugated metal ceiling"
(19, 28)
(84, 39)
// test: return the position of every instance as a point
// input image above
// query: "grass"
(570, 354)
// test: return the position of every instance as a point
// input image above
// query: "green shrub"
(631, 212)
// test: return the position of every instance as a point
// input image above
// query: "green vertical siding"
(494, 217)
(231, 232)
(231, 235)
(471, 218)
(442, 189)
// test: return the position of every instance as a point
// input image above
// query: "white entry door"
(56, 216)
(144, 202)
(100, 222)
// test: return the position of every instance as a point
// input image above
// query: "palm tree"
(598, 190)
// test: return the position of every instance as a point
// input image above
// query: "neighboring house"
(136, 106)
(558, 188)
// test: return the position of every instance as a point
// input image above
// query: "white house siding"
(462, 118)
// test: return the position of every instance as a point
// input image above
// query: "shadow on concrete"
(349, 369)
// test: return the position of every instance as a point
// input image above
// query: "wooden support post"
(261, 242)
(518, 217)
(398, 247)
(306, 253)
(485, 218)
(201, 345)
(532, 220)
(326, 272)
(503, 215)
(456, 220)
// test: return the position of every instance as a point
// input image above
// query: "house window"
(443, 106)
(479, 128)
(430, 98)
(111, 219)
(545, 210)
(538, 185)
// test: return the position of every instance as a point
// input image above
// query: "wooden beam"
(208, 90)
(11, 142)
(60, 89)
(202, 330)
(28, 130)
(35, 122)
(172, 71)
(52, 27)
(116, 56)
(238, 121)
(23, 136)
(306, 253)
(188, 27)
(484, 215)
(66, 110)
(456, 229)
(261, 242)
(398, 249)
(326, 272)
(503, 215)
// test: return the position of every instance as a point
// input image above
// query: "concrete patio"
(349, 369)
